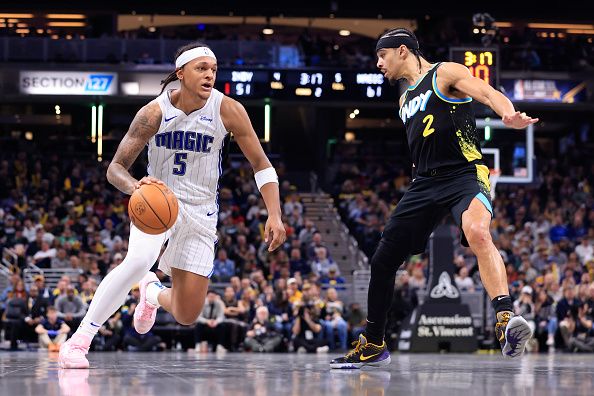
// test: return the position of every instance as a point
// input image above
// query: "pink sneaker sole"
(145, 313)
(73, 356)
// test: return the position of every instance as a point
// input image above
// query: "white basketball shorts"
(191, 241)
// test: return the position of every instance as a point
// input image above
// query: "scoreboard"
(483, 63)
(306, 84)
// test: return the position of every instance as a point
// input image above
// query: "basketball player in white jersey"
(185, 130)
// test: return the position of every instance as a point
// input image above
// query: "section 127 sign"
(67, 83)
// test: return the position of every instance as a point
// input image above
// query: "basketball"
(153, 208)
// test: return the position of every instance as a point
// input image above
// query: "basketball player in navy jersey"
(185, 130)
(449, 177)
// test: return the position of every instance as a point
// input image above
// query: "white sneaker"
(323, 349)
(221, 349)
(301, 350)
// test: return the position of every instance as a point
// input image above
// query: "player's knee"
(389, 255)
(140, 260)
(186, 318)
(187, 315)
(477, 235)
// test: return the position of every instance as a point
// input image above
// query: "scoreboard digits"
(327, 84)
(482, 62)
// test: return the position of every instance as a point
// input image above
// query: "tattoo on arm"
(144, 126)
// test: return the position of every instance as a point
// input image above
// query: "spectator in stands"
(292, 203)
(585, 250)
(463, 281)
(15, 314)
(234, 324)
(307, 328)
(297, 263)
(52, 331)
(87, 291)
(334, 320)
(333, 278)
(43, 258)
(577, 329)
(61, 259)
(293, 291)
(247, 304)
(307, 232)
(224, 268)
(417, 280)
(280, 309)
(321, 264)
(558, 230)
(71, 308)
(37, 306)
(208, 328)
(94, 271)
(545, 318)
(15, 278)
(316, 243)
(262, 335)
(44, 291)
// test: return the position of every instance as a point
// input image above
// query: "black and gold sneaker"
(364, 354)
(513, 333)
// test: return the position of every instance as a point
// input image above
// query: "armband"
(265, 176)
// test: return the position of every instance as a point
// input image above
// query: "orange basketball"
(153, 208)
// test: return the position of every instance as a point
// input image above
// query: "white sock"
(143, 251)
(88, 328)
(152, 292)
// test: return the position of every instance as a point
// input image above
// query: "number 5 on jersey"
(428, 120)
(180, 164)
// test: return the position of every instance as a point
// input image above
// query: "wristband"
(265, 176)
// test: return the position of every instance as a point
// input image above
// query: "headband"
(396, 41)
(192, 54)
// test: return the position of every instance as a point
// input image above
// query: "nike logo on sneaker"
(364, 358)
(211, 213)
(500, 298)
(169, 119)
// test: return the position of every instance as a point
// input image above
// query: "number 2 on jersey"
(180, 160)
(428, 120)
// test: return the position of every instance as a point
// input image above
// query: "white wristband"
(265, 176)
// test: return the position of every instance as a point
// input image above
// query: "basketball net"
(493, 178)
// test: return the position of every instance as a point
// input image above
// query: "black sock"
(374, 333)
(501, 304)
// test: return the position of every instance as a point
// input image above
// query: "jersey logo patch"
(169, 119)
(418, 103)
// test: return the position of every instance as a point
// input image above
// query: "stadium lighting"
(344, 32)
(268, 30)
(93, 124)
(100, 133)
(267, 122)
(65, 16)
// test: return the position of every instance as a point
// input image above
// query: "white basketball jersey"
(186, 152)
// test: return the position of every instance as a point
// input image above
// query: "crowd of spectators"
(544, 232)
(60, 213)
(521, 48)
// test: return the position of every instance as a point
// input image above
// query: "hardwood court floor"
(173, 373)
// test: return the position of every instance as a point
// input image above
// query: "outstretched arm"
(237, 121)
(456, 77)
(144, 125)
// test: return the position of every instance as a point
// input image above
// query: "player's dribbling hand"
(147, 180)
(518, 120)
(274, 233)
